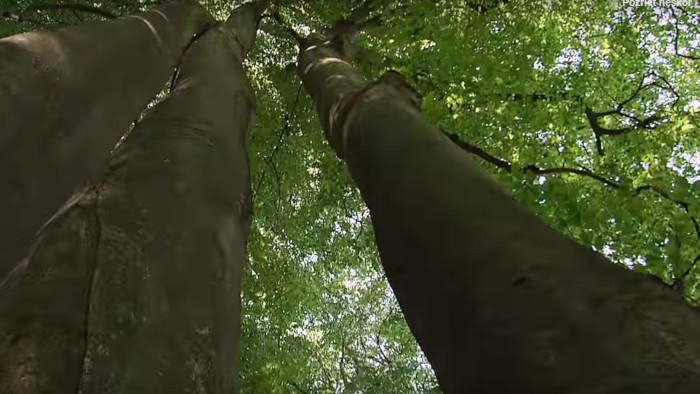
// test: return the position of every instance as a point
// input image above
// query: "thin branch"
(676, 283)
(668, 86)
(287, 118)
(362, 227)
(278, 182)
(648, 123)
(675, 39)
(541, 97)
(594, 118)
(288, 29)
(297, 387)
(384, 357)
(598, 130)
(681, 204)
(632, 96)
(341, 363)
(532, 168)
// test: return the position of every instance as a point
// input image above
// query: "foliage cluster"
(587, 112)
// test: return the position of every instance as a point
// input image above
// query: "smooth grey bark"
(66, 97)
(134, 285)
(498, 300)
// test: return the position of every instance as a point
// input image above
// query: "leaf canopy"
(546, 84)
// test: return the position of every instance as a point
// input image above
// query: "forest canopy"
(586, 111)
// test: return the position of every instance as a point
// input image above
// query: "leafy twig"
(287, 123)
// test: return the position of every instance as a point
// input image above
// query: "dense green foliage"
(515, 78)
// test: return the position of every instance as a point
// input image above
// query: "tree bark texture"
(498, 300)
(134, 285)
(66, 98)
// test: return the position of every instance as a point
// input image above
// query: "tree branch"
(648, 123)
(534, 169)
(341, 363)
(531, 168)
(297, 387)
(288, 29)
(676, 283)
(677, 35)
(383, 356)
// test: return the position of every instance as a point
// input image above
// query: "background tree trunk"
(66, 97)
(134, 285)
(499, 301)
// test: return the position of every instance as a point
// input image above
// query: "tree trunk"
(66, 97)
(134, 285)
(498, 300)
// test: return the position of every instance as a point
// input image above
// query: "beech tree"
(584, 112)
(67, 96)
(499, 301)
(134, 285)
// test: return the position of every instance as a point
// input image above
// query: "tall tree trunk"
(66, 97)
(498, 300)
(134, 285)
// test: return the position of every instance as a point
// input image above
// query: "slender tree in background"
(134, 285)
(66, 97)
(498, 300)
